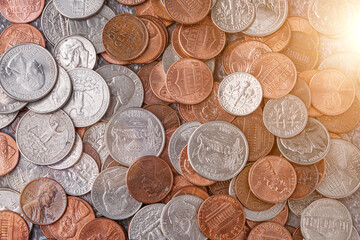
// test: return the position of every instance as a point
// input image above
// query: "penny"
(221, 187)
(81, 131)
(240, 93)
(299, 24)
(13, 226)
(276, 74)
(332, 92)
(78, 10)
(113, 163)
(221, 217)
(46, 231)
(272, 179)
(312, 112)
(186, 111)
(188, 13)
(94, 135)
(165, 153)
(43, 201)
(191, 190)
(102, 228)
(168, 117)
(244, 234)
(226, 54)
(272, 230)
(88, 149)
(131, 2)
(307, 180)
(132, 41)
(264, 215)
(177, 50)
(9, 154)
(302, 91)
(157, 82)
(298, 206)
(160, 10)
(149, 179)
(189, 81)
(321, 166)
(146, 8)
(22, 11)
(307, 75)
(110, 59)
(28, 71)
(297, 235)
(281, 218)
(179, 182)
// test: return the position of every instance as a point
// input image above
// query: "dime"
(186, 111)
(240, 94)
(285, 117)
(45, 139)
(165, 153)
(281, 218)
(13, 226)
(102, 228)
(134, 133)
(178, 218)
(110, 196)
(126, 89)
(90, 98)
(334, 213)
(21, 11)
(78, 10)
(9, 154)
(271, 230)
(191, 190)
(28, 72)
(299, 24)
(157, 82)
(187, 12)
(43, 201)
(168, 116)
(94, 135)
(220, 187)
(298, 206)
(9, 106)
(302, 91)
(218, 150)
(307, 180)
(264, 215)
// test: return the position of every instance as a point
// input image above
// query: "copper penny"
(244, 234)
(88, 149)
(307, 180)
(162, 26)
(179, 182)
(78, 213)
(220, 187)
(272, 179)
(107, 57)
(149, 179)
(244, 194)
(225, 59)
(307, 75)
(81, 131)
(125, 37)
(21, 11)
(165, 114)
(210, 109)
(43, 201)
(334, 136)
(147, 9)
(221, 217)
(13, 226)
(102, 228)
(20, 33)
(9, 154)
(189, 173)
(302, 91)
(113, 163)
(131, 2)
(321, 166)
(160, 10)
(202, 40)
(281, 218)
(300, 24)
(176, 43)
(276, 41)
(290, 229)
(186, 112)
(276, 74)
(188, 12)
(271, 230)
(189, 81)
(192, 190)
(332, 92)
(46, 231)
(157, 81)
(165, 154)
(312, 112)
(297, 235)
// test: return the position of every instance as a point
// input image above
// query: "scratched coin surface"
(94, 135)
(13, 226)
(9, 154)
(78, 10)
(187, 12)
(272, 230)
(134, 133)
(102, 228)
(22, 11)
(218, 150)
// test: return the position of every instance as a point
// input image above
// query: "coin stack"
(230, 125)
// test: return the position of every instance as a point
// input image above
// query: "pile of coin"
(265, 131)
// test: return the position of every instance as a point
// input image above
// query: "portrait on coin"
(72, 54)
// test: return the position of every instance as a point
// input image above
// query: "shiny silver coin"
(232, 188)
(78, 9)
(94, 135)
(264, 215)
(7, 119)
(298, 206)
(9, 105)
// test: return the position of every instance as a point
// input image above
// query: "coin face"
(43, 201)
(78, 10)
(270, 229)
(9, 154)
(302, 91)
(94, 135)
(300, 24)
(13, 225)
(220, 187)
(297, 206)
(165, 153)
(168, 116)
(265, 215)
(29, 72)
(45, 139)
(281, 218)
(131, 2)
(307, 180)
(218, 150)
(6, 119)
(191, 190)
(22, 11)
(170, 56)
(102, 228)
(186, 12)
(9, 105)
(186, 111)
(157, 82)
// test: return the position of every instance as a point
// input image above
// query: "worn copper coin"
(221, 187)
(281, 218)
(165, 114)
(226, 54)
(179, 182)
(146, 8)
(321, 166)
(307, 75)
(9, 154)
(131, 2)
(187, 12)
(307, 180)
(88, 149)
(186, 112)
(221, 217)
(112, 60)
(160, 10)
(13, 226)
(125, 37)
(175, 42)
(302, 91)
(270, 230)
(291, 229)
(300, 24)
(157, 81)
(81, 131)
(191, 190)
(21, 11)
(149, 179)
(297, 235)
(102, 228)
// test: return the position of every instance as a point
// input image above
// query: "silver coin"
(107, 161)
(240, 93)
(7, 119)
(92, 27)
(28, 72)
(72, 158)
(90, 97)
(232, 188)
(309, 147)
(134, 133)
(87, 197)
(9, 105)
(126, 89)
(218, 150)
(75, 52)
(57, 98)
(264, 215)
(352, 136)
(145, 224)
(94, 135)
(342, 176)
(285, 117)
(326, 219)
(179, 140)
(233, 16)
(45, 139)
(110, 196)
(270, 16)
(298, 206)
(354, 234)
(78, 179)
(78, 9)
(179, 218)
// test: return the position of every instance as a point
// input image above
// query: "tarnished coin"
(271, 230)
(157, 82)
(178, 218)
(240, 93)
(43, 201)
(58, 96)
(133, 133)
(309, 147)
(264, 215)
(9, 105)
(90, 98)
(335, 214)
(299, 24)
(307, 180)
(28, 72)
(110, 196)
(146, 8)
(187, 13)
(126, 89)
(186, 111)
(21, 11)
(102, 228)
(342, 170)
(298, 206)
(220, 187)
(302, 91)
(9, 154)
(78, 10)
(168, 116)
(13, 226)
(218, 150)
(45, 139)
(146, 223)
(94, 135)
(285, 117)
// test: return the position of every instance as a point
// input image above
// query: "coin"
(170, 56)
(191, 190)
(43, 201)
(160, 10)
(102, 228)
(146, 8)
(78, 10)
(264, 215)
(221, 187)
(244, 234)
(354, 234)
(179, 182)
(110, 59)
(186, 111)
(177, 51)
(28, 71)
(157, 82)
(165, 153)
(131, 2)
(9, 154)
(149, 179)
(88, 149)
(9, 106)
(90, 98)
(226, 54)
(302, 91)
(22, 11)
(94, 135)
(45, 139)
(168, 116)
(297, 235)
(272, 230)
(297, 206)
(307, 180)
(299, 24)
(188, 13)
(281, 218)
(13, 226)
(321, 166)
